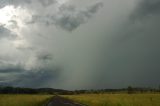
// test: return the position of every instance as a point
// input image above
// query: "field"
(87, 99)
(117, 99)
(23, 100)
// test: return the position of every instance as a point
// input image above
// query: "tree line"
(19, 90)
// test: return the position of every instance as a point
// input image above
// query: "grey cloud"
(44, 56)
(94, 8)
(47, 3)
(119, 48)
(42, 78)
(44, 3)
(17, 74)
(68, 17)
(147, 8)
(25, 78)
(6, 67)
(3, 3)
(14, 24)
(20, 2)
(36, 70)
(133, 54)
(5, 33)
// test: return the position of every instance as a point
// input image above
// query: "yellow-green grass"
(23, 100)
(117, 99)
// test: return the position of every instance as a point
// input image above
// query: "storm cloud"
(148, 8)
(68, 17)
(133, 54)
(73, 44)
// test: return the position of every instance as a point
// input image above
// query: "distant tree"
(8, 90)
(130, 90)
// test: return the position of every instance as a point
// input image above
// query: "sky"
(80, 44)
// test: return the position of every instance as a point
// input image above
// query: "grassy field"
(117, 99)
(23, 100)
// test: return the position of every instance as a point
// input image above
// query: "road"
(60, 101)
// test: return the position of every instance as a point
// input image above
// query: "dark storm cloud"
(40, 78)
(16, 74)
(148, 8)
(26, 78)
(6, 67)
(133, 55)
(68, 17)
(118, 48)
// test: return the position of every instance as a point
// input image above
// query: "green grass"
(23, 100)
(117, 99)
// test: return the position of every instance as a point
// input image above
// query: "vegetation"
(18, 90)
(15, 96)
(117, 99)
(23, 100)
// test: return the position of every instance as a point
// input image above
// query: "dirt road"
(60, 101)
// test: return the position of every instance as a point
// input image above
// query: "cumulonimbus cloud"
(117, 45)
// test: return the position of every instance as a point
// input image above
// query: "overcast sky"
(80, 44)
